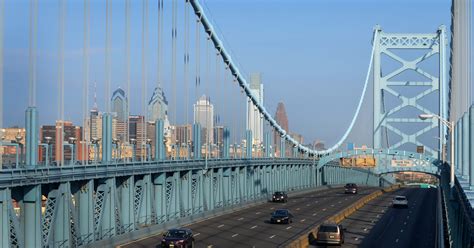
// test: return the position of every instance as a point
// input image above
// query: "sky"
(313, 56)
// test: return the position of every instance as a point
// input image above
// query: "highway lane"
(250, 227)
(378, 224)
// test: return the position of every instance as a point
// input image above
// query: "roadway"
(250, 227)
(377, 224)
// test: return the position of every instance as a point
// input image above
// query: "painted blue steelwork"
(465, 145)
(197, 141)
(248, 143)
(471, 147)
(32, 136)
(106, 137)
(385, 83)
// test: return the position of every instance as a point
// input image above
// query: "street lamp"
(450, 126)
(72, 143)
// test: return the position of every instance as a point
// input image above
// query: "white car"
(400, 201)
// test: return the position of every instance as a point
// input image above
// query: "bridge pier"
(31, 219)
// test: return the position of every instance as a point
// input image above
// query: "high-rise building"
(58, 145)
(204, 115)
(282, 119)
(95, 124)
(254, 120)
(182, 134)
(120, 115)
(219, 135)
(137, 132)
(158, 105)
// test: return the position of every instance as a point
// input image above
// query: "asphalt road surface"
(378, 224)
(251, 228)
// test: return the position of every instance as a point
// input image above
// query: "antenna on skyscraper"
(95, 95)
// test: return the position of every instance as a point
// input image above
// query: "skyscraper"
(254, 122)
(120, 112)
(137, 132)
(204, 115)
(282, 120)
(158, 105)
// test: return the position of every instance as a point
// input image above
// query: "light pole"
(450, 126)
(72, 142)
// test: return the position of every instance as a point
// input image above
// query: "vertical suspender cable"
(186, 68)
(60, 139)
(144, 75)
(1, 72)
(85, 81)
(173, 58)
(108, 29)
(32, 52)
(127, 62)
(208, 99)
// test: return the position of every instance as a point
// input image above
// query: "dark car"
(280, 196)
(330, 234)
(281, 216)
(179, 237)
(350, 188)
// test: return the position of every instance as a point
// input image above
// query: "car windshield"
(281, 212)
(350, 185)
(175, 234)
(400, 198)
(328, 228)
(278, 193)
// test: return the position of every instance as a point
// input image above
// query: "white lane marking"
(401, 230)
(253, 227)
(298, 209)
(314, 214)
(272, 208)
(272, 236)
(257, 213)
(324, 209)
(339, 202)
(396, 240)
(197, 234)
(241, 218)
(307, 205)
(356, 238)
(288, 228)
(235, 235)
(332, 205)
(220, 226)
(316, 202)
(302, 220)
(365, 228)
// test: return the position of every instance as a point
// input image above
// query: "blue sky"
(313, 54)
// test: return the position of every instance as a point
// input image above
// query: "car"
(178, 237)
(282, 216)
(400, 201)
(280, 196)
(330, 234)
(350, 188)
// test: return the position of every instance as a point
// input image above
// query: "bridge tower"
(402, 118)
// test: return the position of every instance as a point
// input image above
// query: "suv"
(280, 196)
(350, 188)
(330, 234)
(400, 201)
(179, 237)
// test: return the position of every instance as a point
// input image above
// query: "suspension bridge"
(115, 177)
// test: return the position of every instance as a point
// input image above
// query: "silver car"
(400, 201)
(330, 234)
